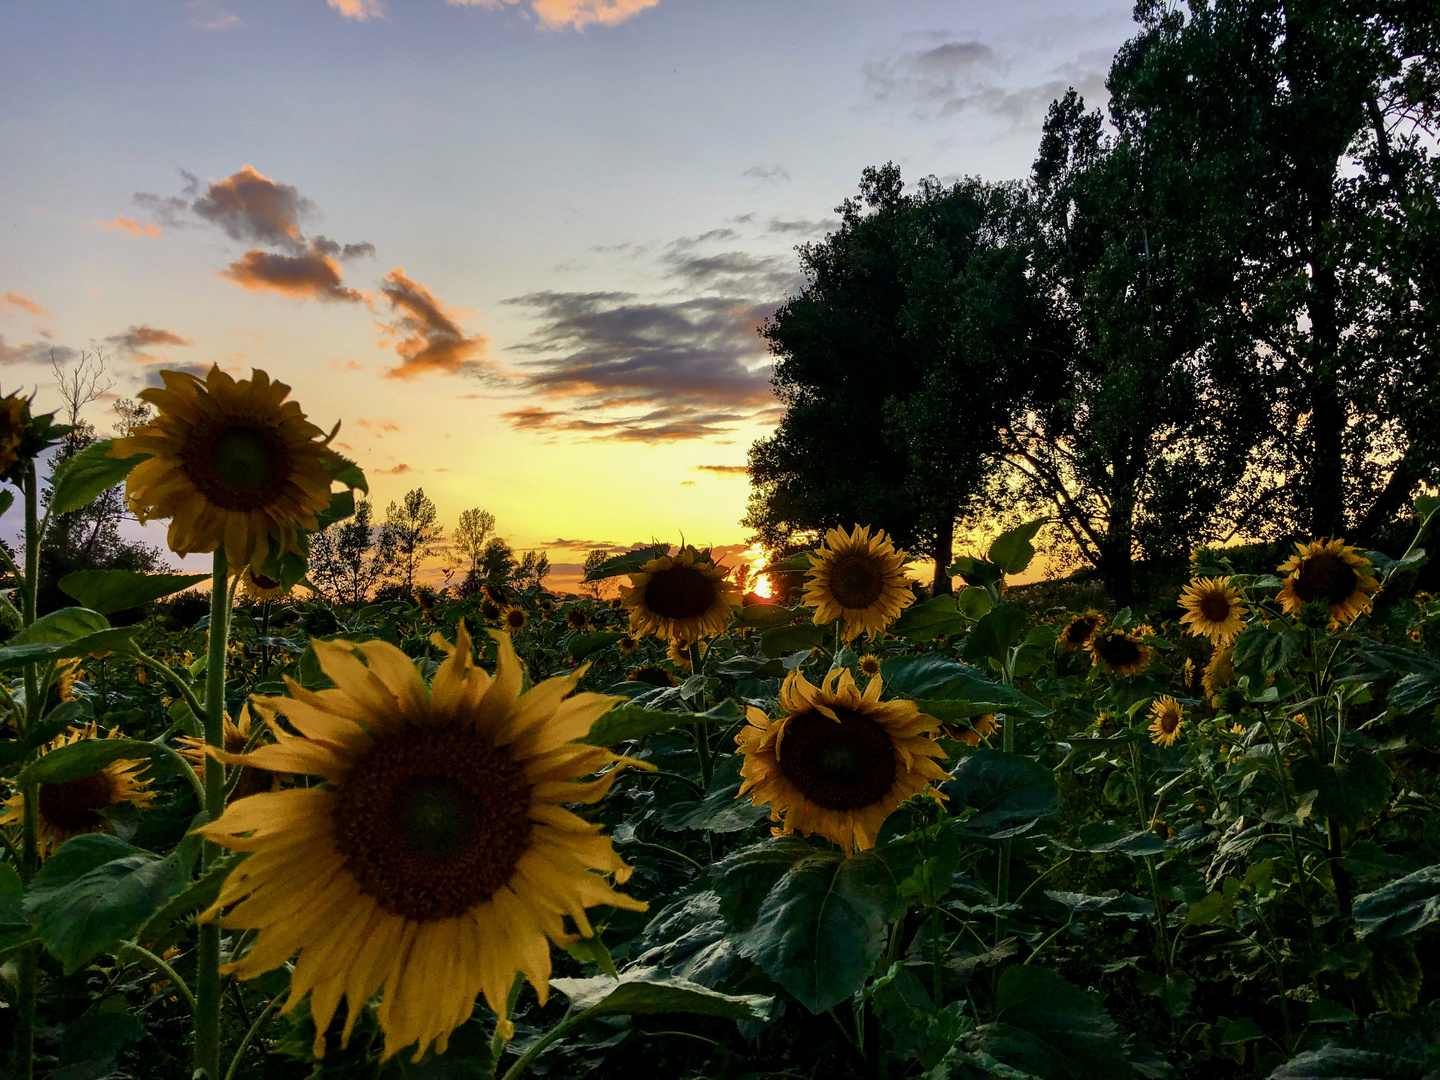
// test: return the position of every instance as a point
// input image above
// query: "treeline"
(357, 559)
(1208, 314)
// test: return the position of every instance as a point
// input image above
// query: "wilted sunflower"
(1166, 717)
(652, 674)
(515, 619)
(1220, 671)
(858, 578)
(1213, 609)
(1332, 573)
(838, 762)
(1119, 652)
(627, 645)
(231, 464)
(72, 807)
(436, 859)
(258, 588)
(237, 737)
(869, 665)
(684, 597)
(1079, 630)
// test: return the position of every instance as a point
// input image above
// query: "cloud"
(124, 224)
(134, 341)
(359, 10)
(800, 227)
(25, 304)
(396, 471)
(739, 271)
(567, 14)
(33, 352)
(336, 250)
(342, 367)
(724, 470)
(378, 425)
(252, 207)
(211, 16)
(427, 337)
(768, 174)
(306, 277)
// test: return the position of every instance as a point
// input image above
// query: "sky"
(520, 249)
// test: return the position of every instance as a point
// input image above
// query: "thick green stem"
(30, 850)
(207, 978)
(702, 734)
(1002, 876)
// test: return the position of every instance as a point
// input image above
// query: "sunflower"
(1079, 630)
(838, 762)
(1219, 672)
(627, 645)
(575, 619)
(436, 859)
(679, 653)
(1119, 652)
(14, 420)
(1166, 715)
(1331, 573)
(72, 807)
(258, 588)
(858, 578)
(495, 594)
(232, 465)
(424, 598)
(980, 727)
(238, 734)
(681, 598)
(515, 619)
(489, 611)
(67, 674)
(652, 674)
(1213, 609)
(869, 665)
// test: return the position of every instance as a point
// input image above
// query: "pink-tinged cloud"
(119, 223)
(311, 276)
(137, 339)
(396, 471)
(342, 367)
(426, 335)
(378, 425)
(25, 304)
(359, 10)
(569, 14)
(250, 206)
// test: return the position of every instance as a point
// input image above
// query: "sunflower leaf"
(91, 471)
(67, 624)
(39, 652)
(936, 678)
(345, 471)
(1401, 907)
(639, 992)
(1012, 550)
(1009, 793)
(929, 619)
(784, 640)
(629, 562)
(790, 564)
(116, 590)
(81, 759)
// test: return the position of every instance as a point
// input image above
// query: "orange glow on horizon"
(760, 584)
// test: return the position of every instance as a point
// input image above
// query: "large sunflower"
(858, 578)
(1118, 652)
(1213, 609)
(1079, 630)
(1331, 572)
(838, 762)
(73, 807)
(681, 598)
(231, 464)
(436, 859)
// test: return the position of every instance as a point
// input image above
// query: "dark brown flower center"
(1325, 577)
(432, 822)
(1215, 606)
(840, 765)
(1079, 631)
(679, 592)
(237, 466)
(1117, 650)
(515, 619)
(1169, 721)
(856, 580)
(73, 806)
(655, 676)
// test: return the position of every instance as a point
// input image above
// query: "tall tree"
(467, 542)
(413, 525)
(352, 558)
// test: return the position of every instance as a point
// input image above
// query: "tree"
(497, 561)
(912, 342)
(533, 570)
(594, 589)
(467, 542)
(351, 559)
(414, 529)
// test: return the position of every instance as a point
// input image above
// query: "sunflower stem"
(30, 851)
(702, 736)
(207, 980)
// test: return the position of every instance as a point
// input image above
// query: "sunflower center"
(838, 766)
(1215, 607)
(1117, 651)
(679, 592)
(432, 822)
(1169, 721)
(73, 806)
(856, 581)
(1325, 577)
(1079, 631)
(238, 467)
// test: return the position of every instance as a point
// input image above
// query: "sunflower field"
(851, 831)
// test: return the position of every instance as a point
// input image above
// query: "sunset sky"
(518, 247)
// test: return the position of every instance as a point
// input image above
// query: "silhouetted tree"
(414, 529)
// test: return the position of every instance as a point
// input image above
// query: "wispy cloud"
(119, 223)
(768, 174)
(134, 342)
(311, 276)
(425, 334)
(359, 10)
(566, 14)
(206, 15)
(25, 304)
(395, 471)
(32, 352)
(724, 470)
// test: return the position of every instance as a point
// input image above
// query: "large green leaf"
(645, 991)
(824, 925)
(784, 640)
(116, 590)
(628, 563)
(583, 645)
(1106, 837)
(67, 624)
(792, 564)
(197, 896)
(87, 474)
(1047, 1027)
(1007, 792)
(1402, 907)
(764, 616)
(345, 471)
(1347, 792)
(744, 879)
(929, 619)
(626, 722)
(1332, 1062)
(934, 677)
(117, 638)
(1123, 906)
(995, 635)
(1012, 550)
(96, 890)
(81, 759)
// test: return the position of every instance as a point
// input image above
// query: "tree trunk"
(1325, 481)
(944, 555)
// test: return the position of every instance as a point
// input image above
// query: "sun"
(760, 584)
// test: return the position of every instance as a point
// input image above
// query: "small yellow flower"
(869, 665)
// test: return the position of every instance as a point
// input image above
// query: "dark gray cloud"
(135, 341)
(309, 276)
(252, 207)
(738, 272)
(336, 250)
(33, 352)
(801, 227)
(768, 174)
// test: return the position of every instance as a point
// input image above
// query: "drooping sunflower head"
(74, 807)
(495, 594)
(978, 727)
(437, 859)
(489, 611)
(652, 675)
(515, 619)
(233, 465)
(1219, 672)
(14, 421)
(679, 653)
(1118, 652)
(238, 736)
(258, 588)
(839, 761)
(684, 597)
(869, 665)
(1077, 633)
(424, 598)
(1332, 573)
(858, 578)
(1213, 609)
(1166, 716)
